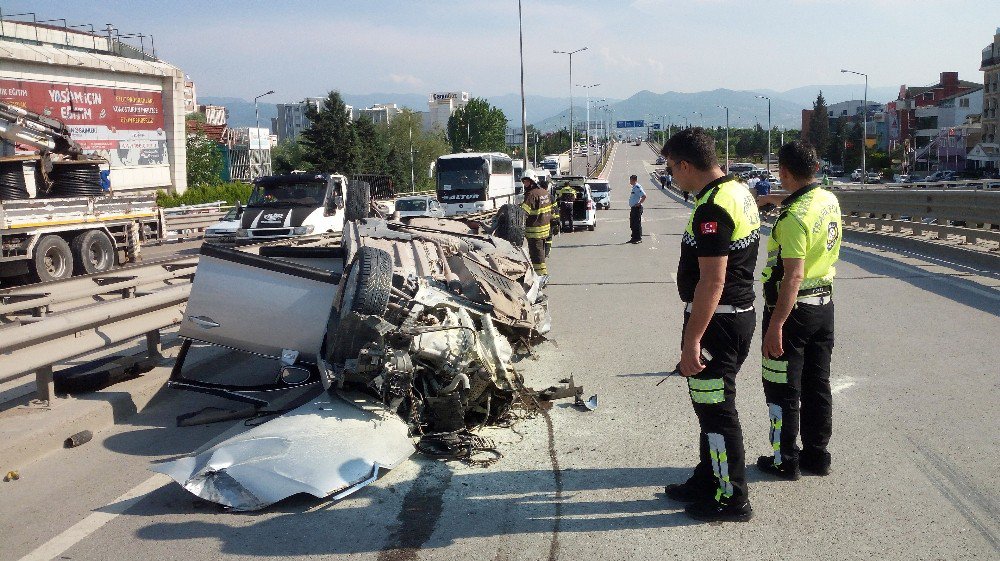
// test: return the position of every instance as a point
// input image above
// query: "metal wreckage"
(409, 327)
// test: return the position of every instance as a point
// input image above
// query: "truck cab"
(294, 204)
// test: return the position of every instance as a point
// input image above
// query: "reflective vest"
(739, 204)
(808, 228)
(537, 206)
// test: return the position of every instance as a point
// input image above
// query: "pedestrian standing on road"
(752, 182)
(715, 278)
(798, 317)
(537, 206)
(566, 195)
(635, 200)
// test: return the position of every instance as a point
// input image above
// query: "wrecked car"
(409, 328)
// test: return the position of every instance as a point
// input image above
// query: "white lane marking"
(841, 384)
(79, 531)
(673, 277)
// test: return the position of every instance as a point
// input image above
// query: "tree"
(819, 125)
(204, 160)
(330, 144)
(288, 156)
(373, 146)
(478, 126)
(405, 130)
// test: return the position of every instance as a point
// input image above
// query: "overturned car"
(409, 328)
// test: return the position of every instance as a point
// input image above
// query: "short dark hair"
(633, 178)
(799, 158)
(694, 146)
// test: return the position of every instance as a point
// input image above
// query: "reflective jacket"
(537, 206)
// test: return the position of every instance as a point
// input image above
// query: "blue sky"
(303, 48)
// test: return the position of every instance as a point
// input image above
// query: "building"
(380, 113)
(119, 101)
(441, 106)
(940, 121)
(986, 154)
(292, 118)
(190, 96)
(901, 113)
(214, 114)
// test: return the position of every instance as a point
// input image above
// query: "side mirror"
(239, 209)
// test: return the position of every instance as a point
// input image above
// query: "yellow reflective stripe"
(775, 371)
(713, 384)
(715, 396)
(540, 268)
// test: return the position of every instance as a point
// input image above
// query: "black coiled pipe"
(75, 180)
(12, 186)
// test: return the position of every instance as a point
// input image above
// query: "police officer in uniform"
(715, 281)
(537, 206)
(798, 317)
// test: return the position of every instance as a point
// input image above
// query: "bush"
(229, 192)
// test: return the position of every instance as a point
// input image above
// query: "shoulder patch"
(709, 227)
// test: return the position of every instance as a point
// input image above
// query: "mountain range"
(551, 113)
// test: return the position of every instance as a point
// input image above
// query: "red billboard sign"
(123, 125)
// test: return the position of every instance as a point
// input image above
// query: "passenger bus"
(474, 181)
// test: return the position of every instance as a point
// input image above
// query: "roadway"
(915, 380)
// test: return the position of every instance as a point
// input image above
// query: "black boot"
(786, 470)
(815, 462)
(687, 492)
(714, 511)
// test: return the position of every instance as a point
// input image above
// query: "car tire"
(592, 227)
(509, 224)
(358, 204)
(53, 260)
(369, 281)
(93, 252)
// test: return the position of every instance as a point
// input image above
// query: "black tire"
(593, 227)
(369, 281)
(510, 224)
(359, 200)
(93, 252)
(53, 260)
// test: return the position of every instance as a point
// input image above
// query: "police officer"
(566, 195)
(798, 317)
(538, 207)
(715, 280)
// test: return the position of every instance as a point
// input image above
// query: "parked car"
(660, 160)
(419, 205)
(224, 231)
(873, 177)
(584, 207)
(600, 189)
(856, 175)
(943, 175)
(837, 170)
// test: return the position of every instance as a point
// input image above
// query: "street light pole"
(727, 135)
(257, 168)
(701, 118)
(570, 53)
(255, 111)
(768, 131)
(524, 113)
(586, 89)
(864, 118)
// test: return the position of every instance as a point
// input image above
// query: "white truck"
(556, 164)
(56, 219)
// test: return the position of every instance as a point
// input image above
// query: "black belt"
(816, 291)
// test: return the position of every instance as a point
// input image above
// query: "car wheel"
(358, 202)
(93, 252)
(53, 260)
(592, 227)
(369, 281)
(509, 224)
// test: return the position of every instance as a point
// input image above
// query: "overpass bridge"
(915, 379)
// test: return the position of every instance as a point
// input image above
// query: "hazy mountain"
(836, 93)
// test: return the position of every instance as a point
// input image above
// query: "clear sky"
(301, 48)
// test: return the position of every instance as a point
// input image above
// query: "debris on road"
(78, 439)
(11, 476)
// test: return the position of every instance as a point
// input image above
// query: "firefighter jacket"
(537, 206)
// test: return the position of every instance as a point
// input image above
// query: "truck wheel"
(358, 200)
(53, 260)
(509, 224)
(592, 227)
(368, 283)
(93, 252)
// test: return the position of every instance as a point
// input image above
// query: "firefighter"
(798, 317)
(537, 206)
(715, 279)
(566, 195)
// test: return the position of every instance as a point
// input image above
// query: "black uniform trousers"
(721, 469)
(801, 376)
(566, 216)
(635, 222)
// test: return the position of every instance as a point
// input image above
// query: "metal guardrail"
(185, 220)
(970, 184)
(32, 345)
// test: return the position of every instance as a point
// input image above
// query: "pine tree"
(819, 125)
(330, 144)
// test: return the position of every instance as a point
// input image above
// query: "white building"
(852, 108)
(441, 106)
(948, 113)
(380, 113)
(119, 102)
(292, 120)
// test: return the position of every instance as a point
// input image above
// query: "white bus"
(474, 181)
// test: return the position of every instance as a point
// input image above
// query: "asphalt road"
(915, 382)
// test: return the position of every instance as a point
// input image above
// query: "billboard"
(120, 124)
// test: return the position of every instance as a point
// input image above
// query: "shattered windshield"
(288, 194)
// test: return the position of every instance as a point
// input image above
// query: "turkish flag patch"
(709, 227)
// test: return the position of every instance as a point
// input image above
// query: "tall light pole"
(679, 117)
(701, 117)
(570, 53)
(524, 113)
(864, 117)
(727, 135)
(256, 163)
(768, 131)
(586, 88)
(255, 111)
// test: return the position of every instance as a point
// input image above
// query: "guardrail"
(188, 219)
(32, 345)
(970, 184)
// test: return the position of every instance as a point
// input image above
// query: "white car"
(584, 208)
(419, 205)
(224, 231)
(600, 189)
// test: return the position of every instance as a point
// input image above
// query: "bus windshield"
(462, 179)
(287, 194)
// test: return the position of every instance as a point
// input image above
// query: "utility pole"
(524, 114)
(768, 131)
(864, 134)
(727, 135)
(570, 53)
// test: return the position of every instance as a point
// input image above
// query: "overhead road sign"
(630, 124)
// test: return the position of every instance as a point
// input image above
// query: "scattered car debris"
(11, 476)
(78, 439)
(419, 318)
(589, 405)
